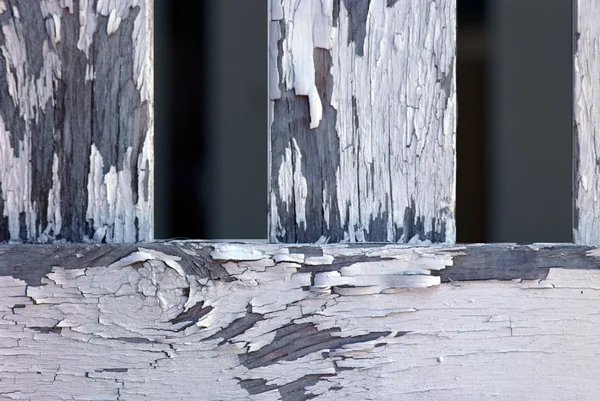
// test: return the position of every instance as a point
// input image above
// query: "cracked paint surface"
(587, 120)
(267, 322)
(364, 92)
(76, 121)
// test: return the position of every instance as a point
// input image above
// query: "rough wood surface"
(224, 321)
(76, 120)
(586, 98)
(362, 120)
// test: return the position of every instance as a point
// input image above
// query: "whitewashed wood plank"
(362, 130)
(586, 98)
(76, 121)
(138, 322)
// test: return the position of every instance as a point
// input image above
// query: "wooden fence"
(361, 292)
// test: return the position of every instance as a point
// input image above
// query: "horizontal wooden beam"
(254, 321)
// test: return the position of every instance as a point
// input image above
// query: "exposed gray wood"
(76, 120)
(587, 121)
(362, 121)
(213, 321)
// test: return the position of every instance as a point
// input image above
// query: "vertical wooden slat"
(586, 110)
(362, 131)
(76, 120)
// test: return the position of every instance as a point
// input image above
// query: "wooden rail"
(233, 321)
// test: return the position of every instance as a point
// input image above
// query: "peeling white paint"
(275, 224)
(402, 93)
(276, 10)
(144, 255)
(117, 11)
(594, 252)
(15, 179)
(52, 12)
(402, 267)
(90, 74)
(87, 21)
(56, 20)
(31, 94)
(97, 196)
(143, 51)
(289, 257)
(371, 284)
(587, 121)
(2, 6)
(112, 332)
(319, 260)
(54, 214)
(144, 209)
(311, 28)
(235, 253)
(113, 22)
(292, 183)
(111, 209)
(407, 133)
(67, 4)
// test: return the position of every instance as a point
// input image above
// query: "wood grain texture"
(587, 121)
(218, 321)
(76, 120)
(362, 121)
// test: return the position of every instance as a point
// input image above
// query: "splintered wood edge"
(257, 321)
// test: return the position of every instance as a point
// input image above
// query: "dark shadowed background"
(514, 128)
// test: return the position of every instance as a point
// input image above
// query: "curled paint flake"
(113, 22)
(56, 19)
(309, 27)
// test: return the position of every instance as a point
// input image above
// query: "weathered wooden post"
(363, 120)
(586, 110)
(76, 120)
